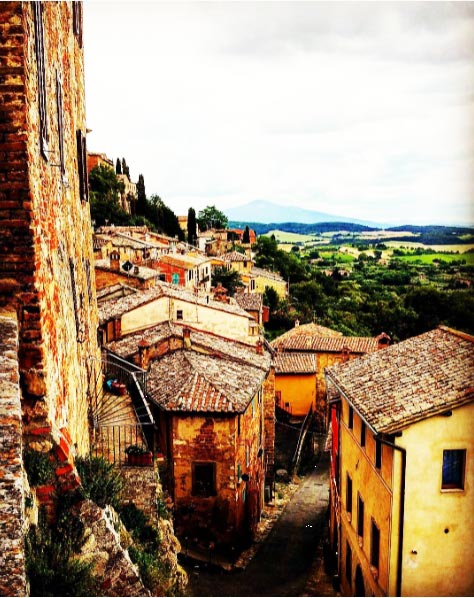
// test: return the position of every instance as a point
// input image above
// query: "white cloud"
(359, 109)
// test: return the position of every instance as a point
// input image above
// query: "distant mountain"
(266, 212)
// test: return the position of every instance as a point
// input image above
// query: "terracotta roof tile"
(326, 344)
(409, 381)
(295, 363)
(249, 301)
(188, 381)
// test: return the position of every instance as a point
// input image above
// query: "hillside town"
(145, 414)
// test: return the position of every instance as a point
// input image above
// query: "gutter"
(402, 509)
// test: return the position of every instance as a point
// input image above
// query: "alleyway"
(289, 561)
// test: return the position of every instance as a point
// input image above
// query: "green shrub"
(101, 482)
(137, 523)
(51, 567)
(38, 466)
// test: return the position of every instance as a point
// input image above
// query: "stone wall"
(12, 562)
(46, 256)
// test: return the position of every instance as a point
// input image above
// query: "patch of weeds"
(38, 466)
(153, 572)
(144, 552)
(101, 481)
(137, 523)
(51, 566)
(164, 504)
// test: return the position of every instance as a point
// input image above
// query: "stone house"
(49, 317)
(95, 159)
(214, 404)
(240, 262)
(138, 310)
(329, 347)
(258, 279)
(402, 474)
(253, 304)
(188, 270)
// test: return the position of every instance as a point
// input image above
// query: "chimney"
(259, 347)
(143, 353)
(187, 338)
(115, 261)
(383, 340)
(297, 323)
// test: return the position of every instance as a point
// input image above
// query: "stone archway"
(359, 583)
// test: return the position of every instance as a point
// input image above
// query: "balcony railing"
(121, 416)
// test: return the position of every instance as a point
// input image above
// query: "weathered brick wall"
(12, 562)
(142, 488)
(46, 257)
(269, 421)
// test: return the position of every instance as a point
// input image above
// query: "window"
(348, 564)
(378, 454)
(453, 469)
(82, 165)
(348, 493)
(362, 433)
(175, 278)
(360, 516)
(374, 545)
(179, 314)
(77, 304)
(59, 105)
(77, 21)
(204, 479)
(40, 65)
(350, 422)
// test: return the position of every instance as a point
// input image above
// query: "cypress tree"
(118, 167)
(191, 226)
(142, 203)
(246, 235)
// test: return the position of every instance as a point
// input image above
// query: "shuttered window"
(41, 68)
(82, 165)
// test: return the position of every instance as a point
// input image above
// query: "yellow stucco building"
(402, 472)
(295, 383)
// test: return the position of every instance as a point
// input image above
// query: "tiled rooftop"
(240, 352)
(295, 363)
(235, 256)
(266, 274)
(249, 301)
(192, 381)
(409, 381)
(115, 308)
(183, 261)
(144, 273)
(312, 337)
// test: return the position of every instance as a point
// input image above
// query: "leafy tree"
(142, 203)
(211, 217)
(163, 218)
(229, 279)
(118, 167)
(271, 299)
(192, 226)
(105, 189)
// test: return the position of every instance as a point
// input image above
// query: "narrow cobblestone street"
(288, 562)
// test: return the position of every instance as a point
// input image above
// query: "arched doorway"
(359, 583)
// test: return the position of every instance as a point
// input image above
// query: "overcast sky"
(359, 109)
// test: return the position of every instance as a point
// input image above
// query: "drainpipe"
(403, 453)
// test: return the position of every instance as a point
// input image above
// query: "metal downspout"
(402, 510)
